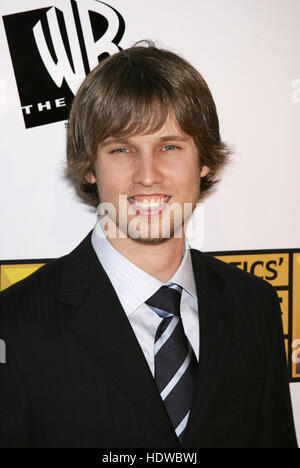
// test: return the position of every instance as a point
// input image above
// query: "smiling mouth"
(149, 206)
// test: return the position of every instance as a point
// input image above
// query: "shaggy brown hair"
(132, 92)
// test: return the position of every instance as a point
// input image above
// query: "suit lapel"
(102, 326)
(215, 313)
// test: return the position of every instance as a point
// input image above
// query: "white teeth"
(152, 204)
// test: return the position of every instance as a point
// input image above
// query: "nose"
(147, 171)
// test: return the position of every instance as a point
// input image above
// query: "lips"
(149, 205)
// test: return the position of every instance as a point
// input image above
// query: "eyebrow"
(125, 141)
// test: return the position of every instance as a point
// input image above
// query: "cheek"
(187, 176)
(111, 178)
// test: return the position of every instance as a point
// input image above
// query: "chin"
(160, 237)
(150, 240)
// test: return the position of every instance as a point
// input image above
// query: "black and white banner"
(53, 49)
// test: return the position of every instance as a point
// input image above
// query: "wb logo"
(53, 49)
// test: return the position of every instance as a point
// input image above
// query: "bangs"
(135, 102)
(137, 117)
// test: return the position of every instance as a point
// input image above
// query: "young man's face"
(159, 176)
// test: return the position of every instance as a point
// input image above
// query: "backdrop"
(248, 52)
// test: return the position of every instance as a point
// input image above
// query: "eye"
(120, 150)
(169, 147)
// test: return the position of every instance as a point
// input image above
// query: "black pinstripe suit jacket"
(75, 375)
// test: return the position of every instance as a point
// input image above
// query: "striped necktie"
(174, 360)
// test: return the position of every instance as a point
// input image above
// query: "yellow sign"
(271, 267)
(296, 317)
(10, 274)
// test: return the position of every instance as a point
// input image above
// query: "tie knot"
(167, 299)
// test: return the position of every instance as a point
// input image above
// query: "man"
(133, 339)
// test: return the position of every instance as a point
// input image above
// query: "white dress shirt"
(134, 286)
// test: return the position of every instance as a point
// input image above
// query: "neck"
(159, 260)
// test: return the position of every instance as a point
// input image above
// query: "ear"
(90, 177)
(204, 171)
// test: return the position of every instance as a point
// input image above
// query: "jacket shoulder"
(48, 274)
(35, 303)
(29, 306)
(47, 278)
(252, 301)
(236, 279)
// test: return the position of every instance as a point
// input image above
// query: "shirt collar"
(132, 284)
